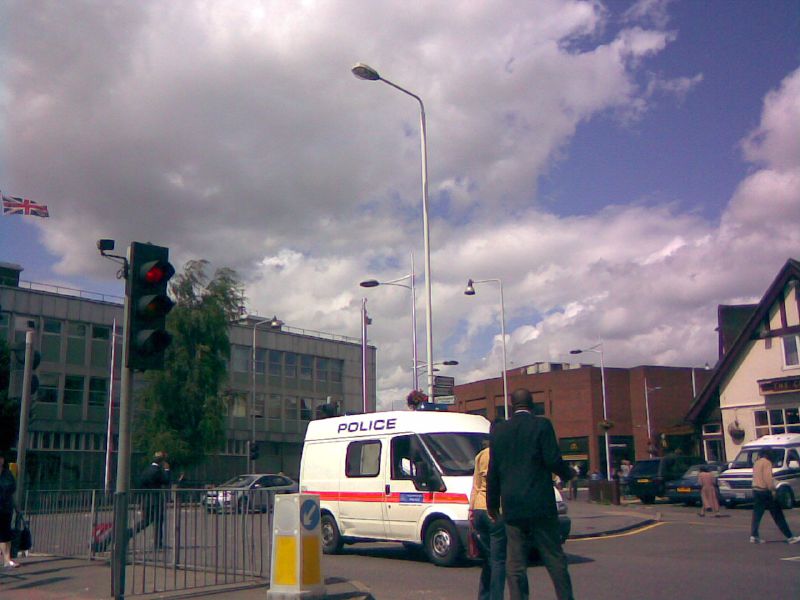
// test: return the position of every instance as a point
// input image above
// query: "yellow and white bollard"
(296, 564)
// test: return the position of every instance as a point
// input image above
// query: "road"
(683, 556)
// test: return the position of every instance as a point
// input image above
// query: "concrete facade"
(296, 371)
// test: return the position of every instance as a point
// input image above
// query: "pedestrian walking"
(523, 456)
(764, 498)
(155, 479)
(490, 534)
(573, 483)
(708, 491)
(8, 486)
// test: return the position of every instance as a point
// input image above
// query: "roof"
(732, 320)
(398, 421)
(779, 439)
(726, 363)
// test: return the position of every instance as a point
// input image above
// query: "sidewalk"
(53, 578)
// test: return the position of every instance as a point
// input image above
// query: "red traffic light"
(157, 271)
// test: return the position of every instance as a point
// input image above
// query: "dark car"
(649, 477)
(687, 488)
(248, 492)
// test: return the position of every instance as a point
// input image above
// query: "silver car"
(248, 492)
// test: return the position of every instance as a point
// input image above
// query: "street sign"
(442, 390)
(444, 380)
(446, 399)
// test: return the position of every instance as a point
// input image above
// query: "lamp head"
(470, 289)
(363, 71)
(576, 351)
(276, 323)
(450, 363)
(370, 283)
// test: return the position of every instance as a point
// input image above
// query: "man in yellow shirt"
(764, 498)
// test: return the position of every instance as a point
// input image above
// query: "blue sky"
(623, 167)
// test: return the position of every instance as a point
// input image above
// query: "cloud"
(234, 132)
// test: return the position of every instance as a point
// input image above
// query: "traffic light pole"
(24, 413)
(121, 532)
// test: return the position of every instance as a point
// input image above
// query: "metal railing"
(68, 291)
(178, 539)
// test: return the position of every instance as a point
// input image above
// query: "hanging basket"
(605, 425)
(415, 398)
(736, 432)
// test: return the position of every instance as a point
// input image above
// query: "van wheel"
(331, 538)
(441, 543)
(647, 499)
(730, 503)
(785, 498)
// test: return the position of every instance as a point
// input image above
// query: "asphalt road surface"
(681, 557)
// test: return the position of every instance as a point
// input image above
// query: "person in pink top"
(708, 491)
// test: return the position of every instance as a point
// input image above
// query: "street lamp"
(366, 72)
(647, 412)
(370, 283)
(598, 349)
(274, 323)
(470, 291)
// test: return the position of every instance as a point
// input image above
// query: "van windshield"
(454, 452)
(747, 458)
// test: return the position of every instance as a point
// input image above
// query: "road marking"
(617, 535)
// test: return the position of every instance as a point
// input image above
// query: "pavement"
(42, 577)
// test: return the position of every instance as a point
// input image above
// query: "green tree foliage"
(9, 409)
(183, 404)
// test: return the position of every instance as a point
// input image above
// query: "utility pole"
(24, 414)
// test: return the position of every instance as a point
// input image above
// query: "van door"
(362, 498)
(405, 504)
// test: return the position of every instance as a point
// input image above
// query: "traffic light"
(148, 304)
(254, 451)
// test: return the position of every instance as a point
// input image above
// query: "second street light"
(274, 323)
(470, 291)
(598, 349)
(650, 443)
(366, 72)
(370, 283)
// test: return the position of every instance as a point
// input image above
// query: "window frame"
(349, 456)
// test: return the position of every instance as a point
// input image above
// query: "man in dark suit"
(523, 457)
(155, 478)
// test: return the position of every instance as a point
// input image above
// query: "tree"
(184, 409)
(9, 409)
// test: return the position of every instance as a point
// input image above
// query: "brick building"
(572, 397)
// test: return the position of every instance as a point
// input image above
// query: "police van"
(401, 476)
(736, 483)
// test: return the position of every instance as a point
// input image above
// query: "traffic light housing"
(149, 273)
(254, 451)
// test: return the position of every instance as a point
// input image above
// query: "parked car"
(649, 477)
(687, 488)
(248, 492)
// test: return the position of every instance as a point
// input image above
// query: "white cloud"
(233, 131)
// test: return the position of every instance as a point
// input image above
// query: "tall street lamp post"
(470, 291)
(274, 323)
(647, 412)
(366, 72)
(598, 349)
(369, 283)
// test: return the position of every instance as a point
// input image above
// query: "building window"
(240, 359)
(238, 406)
(777, 420)
(336, 368)
(363, 459)
(261, 360)
(51, 341)
(322, 369)
(290, 366)
(48, 388)
(98, 391)
(307, 408)
(292, 413)
(274, 407)
(790, 353)
(4, 327)
(306, 367)
(101, 339)
(259, 408)
(76, 344)
(275, 362)
(73, 389)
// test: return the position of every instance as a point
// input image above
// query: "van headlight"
(562, 507)
(724, 484)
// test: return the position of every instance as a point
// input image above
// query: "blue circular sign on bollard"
(309, 514)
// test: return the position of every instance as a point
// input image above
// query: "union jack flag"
(23, 206)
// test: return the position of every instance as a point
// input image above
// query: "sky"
(622, 167)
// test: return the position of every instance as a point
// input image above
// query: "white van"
(396, 476)
(736, 483)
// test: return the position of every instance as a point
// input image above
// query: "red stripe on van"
(394, 498)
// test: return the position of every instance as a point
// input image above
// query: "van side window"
(791, 456)
(403, 454)
(363, 459)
